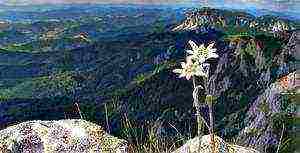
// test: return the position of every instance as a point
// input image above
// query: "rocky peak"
(205, 18)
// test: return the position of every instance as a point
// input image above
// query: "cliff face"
(273, 110)
(263, 121)
(251, 78)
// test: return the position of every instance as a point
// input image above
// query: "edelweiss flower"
(190, 69)
(279, 27)
(253, 24)
(202, 53)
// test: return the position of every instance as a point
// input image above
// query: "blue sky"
(271, 5)
(22, 2)
(26, 2)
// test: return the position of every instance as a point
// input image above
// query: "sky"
(272, 5)
(28, 2)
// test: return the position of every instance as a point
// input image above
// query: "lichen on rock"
(76, 136)
(204, 146)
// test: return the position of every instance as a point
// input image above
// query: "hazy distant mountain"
(30, 2)
(285, 8)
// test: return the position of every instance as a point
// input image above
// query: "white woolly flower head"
(190, 68)
(202, 53)
(195, 63)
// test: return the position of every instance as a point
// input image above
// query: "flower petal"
(183, 65)
(190, 52)
(202, 46)
(178, 70)
(212, 55)
(201, 59)
(212, 50)
(182, 75)
(188, 76)
(193, 45)
(200, 73)
(189, 60)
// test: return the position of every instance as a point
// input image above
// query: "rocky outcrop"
(260, 131)
(204, 146)
(59, 136)
(206, 19)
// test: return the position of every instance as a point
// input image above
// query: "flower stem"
(198, 115)
(211, 122)
(196, 104)
(210, 110)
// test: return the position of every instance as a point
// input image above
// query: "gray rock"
(204, 146)
(63, 136)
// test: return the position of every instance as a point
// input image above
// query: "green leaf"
(210, 99)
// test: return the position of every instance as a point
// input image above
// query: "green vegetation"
(286, 118)
(66, 61)
(144, 110)
(264, 107)
(146, 139)
(140, 79)
(51, 85)
(24, 47)
(159, 27)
